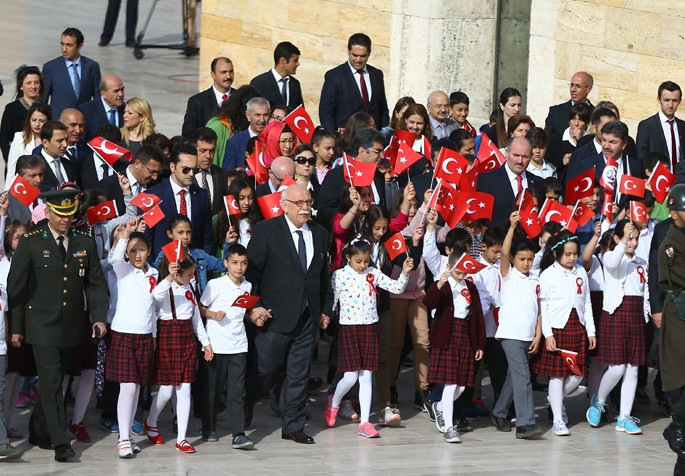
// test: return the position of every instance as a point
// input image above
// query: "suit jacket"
(496, 183)
(46, 292)
(651, 138)
(656, 295)
(50, 182)
(272, 256)
(219, 187)
(270, 89)
(262, 189)
(88, 173)
(57, 84)
(331, 189)
(200, 108)
(12, 121)
(18, 210)
(200, 215)
(557, 118)
(95, 116)
(340, 97)
(235, 150)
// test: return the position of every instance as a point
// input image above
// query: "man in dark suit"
(600, 116)
(367, 146)
(57, 168)
(53, 270)
(202, 105)
(557, 118)
(279, 85)
(438, 106)
(279, 168)
(290, 309)
(179, 194)
(342, 94)
(507, 181)
(663, 132)
(257, 112)
(212, 178)
(106, 109)
(145, 168)
(71, 79)
(30, 167)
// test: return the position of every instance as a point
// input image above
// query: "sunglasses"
(305, 160)
(187, 170)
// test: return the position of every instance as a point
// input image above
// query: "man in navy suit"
(108, 108)
(279, 85)
(258, 112)
(557, 118)
(57, 168)
(663, 132)
(71, 79)
(179, 194)
(506, 182)
(202, 105)
(600, 116)
(342, 94)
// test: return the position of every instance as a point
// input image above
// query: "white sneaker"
(124, 449)
(560, 429)
(389, 417)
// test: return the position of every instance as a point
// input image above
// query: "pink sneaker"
(33, 395)
(367, 430)
(21, 402)
(14, 433)
(330, 414)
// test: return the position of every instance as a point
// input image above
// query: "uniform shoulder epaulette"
(33, 233)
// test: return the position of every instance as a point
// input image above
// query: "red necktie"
(183, 207)
(223, 99)
(674, 150)
(365, 92)
(519, 180)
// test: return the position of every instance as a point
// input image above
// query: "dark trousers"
(113, 14)
(217, 371)
(496, 361)
(48, 416)
(279, 355)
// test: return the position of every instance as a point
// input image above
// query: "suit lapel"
(65, 70)
(290, 244)
(349, 77)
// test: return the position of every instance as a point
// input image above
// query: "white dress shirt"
(210, 183)
(308, 239)
(177, 197)
(219, 95)
(136, 187)
(53, 165)
(367, 79)
(461, 305)
(623, 276)
(227, 336)
(512, 180)
(561, 291)
(282, 84)
(667, 135)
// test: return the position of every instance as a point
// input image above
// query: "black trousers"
(284, 357)
(224, 367)
(111, 20)
(48, 415)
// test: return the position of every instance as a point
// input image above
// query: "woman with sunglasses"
(305, 163)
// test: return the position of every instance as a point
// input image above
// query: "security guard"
(671, 349)
(51, 268)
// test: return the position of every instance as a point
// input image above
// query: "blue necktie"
(302, 250)
(113, 117)
(76, 79)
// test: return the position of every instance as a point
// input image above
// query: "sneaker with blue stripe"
(628, 425)
(594, 413)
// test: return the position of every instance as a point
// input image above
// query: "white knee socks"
(609, 380)
(126, 408)
(344, 386)
(628, 390)
(83, 394)
(365, 391)
(446, 403)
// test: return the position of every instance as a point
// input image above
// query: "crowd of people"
(205, 267)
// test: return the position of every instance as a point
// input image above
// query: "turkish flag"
(451, 166)
(580, 186)
(661, 182)
(608, 180)
(444, 195)
(570, 359)
(109, 151)
(489, 155)
(286, 182)
(582, 213)
(470, 129)
(173, 251)
(232, 207)
(607, 208)
(638, 211)
(469, 265)
(396, 245)
(23, 191)
(530, 221)
(480, 205)
(362, 173)
(406, 157)
(555, 211)
(153, 216)
(399, 137)
(145, 201)
(301, 124)
(245, 301)
(632, 186)
(270, 205)
(469, 180)
(103, 211)
(454, 211)
(257, 167)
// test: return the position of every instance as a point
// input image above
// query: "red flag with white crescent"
(555, 211)
(406, 157)
(362, 173)
(469, 180)
(109, 151)
(232, 207)
(638, 211)
(469, 265)
(257, 167)
(489, 155)
(301, 124)
(630, 185)
(582, 213)
(153, 216)
(571, 361)
(396, 245)
(145, 201)
(530, 221)
(580, 186)
(23, 191)
(400, 136)
(608, 180)
(245, 301)
(661, 182)
(103, 211)
(451, 166)
(608, 207)
(480, 205)
(173, 251)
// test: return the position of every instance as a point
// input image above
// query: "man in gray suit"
(30, 168)
(438, 106)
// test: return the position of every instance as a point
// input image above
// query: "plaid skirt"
(21, 360)
(597, 299)
(572, 337)
(129, 358)
(175, 360)
(622, 340)
(358, 347)
(455, 363)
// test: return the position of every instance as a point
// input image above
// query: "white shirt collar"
(176, 188)
(220, 95)
(293, 228)
(277, 76)
(663, 118)
(354, 71)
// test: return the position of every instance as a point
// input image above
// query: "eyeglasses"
(441, 106)
(276, 118)
(376, 151)
(300, 203)
(152, 172)
(187, 170)
(577, 86)
(305, 160)
(286, 141)
(275, 176)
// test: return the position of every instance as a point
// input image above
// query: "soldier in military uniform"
(50, 270)
(672, 321)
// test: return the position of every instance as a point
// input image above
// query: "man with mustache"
(258, 112)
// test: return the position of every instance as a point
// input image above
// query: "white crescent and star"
(658, 187)
(468, 203)
(551, 214)
(16, 188)
(105, 149)
(399, 245)
(570, 361)
(145, 202)
(468, 265)
(447, 161)
(103, 212)
(629, 185)
(589, 184)
(298, 119)
(241, 300)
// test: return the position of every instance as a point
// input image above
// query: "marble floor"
(29, 33)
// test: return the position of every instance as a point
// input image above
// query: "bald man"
(438, 106)
(280, 167)
(579, 88)
(107, 108)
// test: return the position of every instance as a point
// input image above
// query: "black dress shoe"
(64, 452)
(675, 435)
(298, 437)
(41, 440)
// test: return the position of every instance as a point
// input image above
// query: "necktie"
(519, 180)
(284, 90)
(223, 99)
(302, 250)
(183, 207)
(205, 185)
(365, 92)
(112, 116)
(105, 170)
(58, 170)
(71, 152)
(674, 147)
(60, 246)
(76, 78)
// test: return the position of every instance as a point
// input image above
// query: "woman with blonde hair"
(138, 124)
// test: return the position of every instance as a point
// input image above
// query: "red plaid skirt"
(572, 337)
(597, 299)
(21, 360)
(622, 340)
(175, 359)
(358, 347)
(129, 358)
(455, 363)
